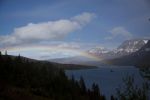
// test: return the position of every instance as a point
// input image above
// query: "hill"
(55, 64)
(25, 79)
(78, 60)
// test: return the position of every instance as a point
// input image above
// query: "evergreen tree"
(18, 58)
(96, 92)
(95, 89)
(112, 97)
(82, 85)
(131, 92)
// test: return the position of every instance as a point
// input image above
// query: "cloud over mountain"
(46, 31)
(119, 32)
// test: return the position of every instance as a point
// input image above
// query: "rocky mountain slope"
(138, 58)
(126, 48)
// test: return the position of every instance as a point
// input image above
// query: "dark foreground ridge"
(26, 79)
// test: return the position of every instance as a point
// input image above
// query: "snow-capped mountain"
(130, 46)
(126, 48)
(139, 58)
(98, 50)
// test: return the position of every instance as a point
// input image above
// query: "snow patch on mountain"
(145, 41)
(126, 48)
(98, 50)
(131, 46)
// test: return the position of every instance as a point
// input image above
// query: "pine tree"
(130, 91)
(96, 92)
(82, 85)
(112, 97)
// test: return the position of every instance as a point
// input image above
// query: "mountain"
(98, 51)
(126, 48)
(130, 46)
(138, 58)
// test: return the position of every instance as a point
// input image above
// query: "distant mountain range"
(126, 48)
(122, 55)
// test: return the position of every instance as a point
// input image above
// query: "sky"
(64, 28)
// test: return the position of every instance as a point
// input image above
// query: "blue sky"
(85, 23)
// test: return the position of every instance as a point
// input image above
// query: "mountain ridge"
(138, 58)
(125, 48)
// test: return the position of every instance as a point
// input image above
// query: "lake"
(107, 77)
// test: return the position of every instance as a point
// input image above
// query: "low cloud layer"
(119, 32)
(46, 31)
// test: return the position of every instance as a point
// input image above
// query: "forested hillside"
(22, 79)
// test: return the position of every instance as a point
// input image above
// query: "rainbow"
(48, 48)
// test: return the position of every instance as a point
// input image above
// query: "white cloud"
(84, 18)
(44, 31)
(119, 32)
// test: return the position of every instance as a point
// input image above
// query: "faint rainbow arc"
(48, 49)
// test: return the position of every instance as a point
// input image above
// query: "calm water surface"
(107, 77)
